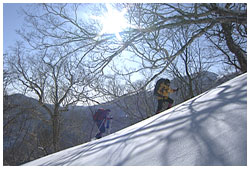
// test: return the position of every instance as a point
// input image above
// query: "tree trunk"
(56, 127)
(234, 48)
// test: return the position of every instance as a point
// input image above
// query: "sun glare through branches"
(112, 22)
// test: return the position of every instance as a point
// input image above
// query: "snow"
(210, 129)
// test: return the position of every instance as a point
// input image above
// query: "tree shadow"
(217, 127)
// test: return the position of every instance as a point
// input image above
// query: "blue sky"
(12, 20)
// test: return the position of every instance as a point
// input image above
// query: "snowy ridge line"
(214, 88)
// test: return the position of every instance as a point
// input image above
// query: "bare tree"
(231, 37)
(191, 65)
(52, 78)
(69, 26)
(159, 22)
(53, 65)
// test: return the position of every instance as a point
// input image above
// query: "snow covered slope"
(210, 129)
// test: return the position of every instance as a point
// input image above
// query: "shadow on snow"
(196, 123)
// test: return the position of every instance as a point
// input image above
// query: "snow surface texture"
(210, 129)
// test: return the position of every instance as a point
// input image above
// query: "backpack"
(100, 114)
(157, 85)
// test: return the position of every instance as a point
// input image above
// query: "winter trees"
(153, 43)
(148, 39)
(52, 66)
(170, 31)
(230, 37)
(190, 67)
(51, 78)
(66, 57)
(159, 22)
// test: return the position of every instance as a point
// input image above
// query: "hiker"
(162, 90)
(100, 117)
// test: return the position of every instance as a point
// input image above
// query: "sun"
(113, 22)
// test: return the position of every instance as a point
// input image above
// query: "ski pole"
(99, 127)
(109, 124)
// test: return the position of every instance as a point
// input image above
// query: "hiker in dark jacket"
(100, 118)
(162, 90)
